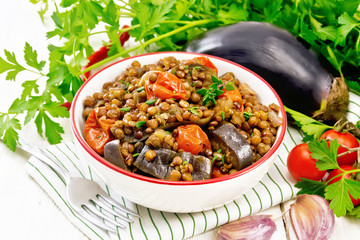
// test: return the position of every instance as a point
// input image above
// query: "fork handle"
(44, 157)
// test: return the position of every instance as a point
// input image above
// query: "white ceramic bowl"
(168, 195)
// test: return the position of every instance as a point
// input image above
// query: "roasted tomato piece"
(166, 86)
(191, 138)
(97, 131)
(205, 61)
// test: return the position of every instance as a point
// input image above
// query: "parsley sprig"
(338, 192)
(326, 159)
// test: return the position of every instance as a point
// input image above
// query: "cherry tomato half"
(166, 86)
(234, 95)
(336, 172)
(97, 131)
(191, 138)
(301, 165)
(205, 61)
(216, 173)
(346, 139)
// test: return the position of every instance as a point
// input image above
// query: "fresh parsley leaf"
(8, 130)
(326, 158)
(308, 186)
(308, 125)
(223, 115)
(30, 56)
(355, 212)
(29, 87)
(53, 130)
(11, 66)
(338, 193)
(136, 154)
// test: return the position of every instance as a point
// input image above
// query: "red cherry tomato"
(234, 95)
(166, 86)
(191, 138)
(346, 139)
(218, 173)
(97, 131)
(301, 165)
(337, 172)
(205, 61)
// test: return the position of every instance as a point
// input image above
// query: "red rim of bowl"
(100, 159)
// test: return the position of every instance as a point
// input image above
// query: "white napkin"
(277, 186)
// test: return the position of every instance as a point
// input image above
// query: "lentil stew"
(179, 120)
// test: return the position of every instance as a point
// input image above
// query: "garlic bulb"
(312, 217)
(256, 227)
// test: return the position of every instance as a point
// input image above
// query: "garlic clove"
(256, 227)
(312, 217)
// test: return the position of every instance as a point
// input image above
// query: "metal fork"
(86, 197)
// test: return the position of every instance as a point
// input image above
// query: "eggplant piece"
(227, 138)
(277, 56)
(202, 166)
(113, 154)
(160, 167)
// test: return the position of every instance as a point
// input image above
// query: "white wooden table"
(26, 210)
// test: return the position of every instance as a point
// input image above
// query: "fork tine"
(111, 211)
(96, 211)
(116, 204)
(95, 220)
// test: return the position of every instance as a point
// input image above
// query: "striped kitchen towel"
(277, 186)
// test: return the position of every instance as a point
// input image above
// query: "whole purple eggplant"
(277, 56)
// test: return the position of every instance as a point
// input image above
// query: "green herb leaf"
(149, 102)
(308, 125)
(12, 67)
(139, 124)
(201, 92)
(230, 86)
(223, 115)
(8, 130)
(308, 186)
(193, 111)
(326, 158)
(140, 89)
(338, 193)
(30, 56)
(125, 109)
(247, 115)
(355, 212)
(136, 154)
(223, 159)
